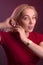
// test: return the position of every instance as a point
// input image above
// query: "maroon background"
(7, 7)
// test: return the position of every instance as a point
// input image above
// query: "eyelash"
(34, 17)
(25, 18)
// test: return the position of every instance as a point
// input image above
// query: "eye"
(35, 17)
(25, 18)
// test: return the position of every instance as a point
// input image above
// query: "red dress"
(16, 51)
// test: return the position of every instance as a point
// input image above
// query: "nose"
(30, 21)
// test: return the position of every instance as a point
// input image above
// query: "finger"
(20, 28)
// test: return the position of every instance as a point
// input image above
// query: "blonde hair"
(17, 11)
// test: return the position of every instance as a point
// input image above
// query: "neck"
(27, 34)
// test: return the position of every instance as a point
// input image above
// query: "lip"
(30, 27)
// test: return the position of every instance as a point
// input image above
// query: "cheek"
(34, 22)
(23, 23)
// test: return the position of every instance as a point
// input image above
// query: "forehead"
(28, 11)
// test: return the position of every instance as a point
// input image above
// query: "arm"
(2, 25)
(5, 25)
(37, 49)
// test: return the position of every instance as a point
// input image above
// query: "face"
(28, 19)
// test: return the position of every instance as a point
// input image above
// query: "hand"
(8, 24)
(21, 32)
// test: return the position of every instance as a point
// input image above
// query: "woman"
(22, 45)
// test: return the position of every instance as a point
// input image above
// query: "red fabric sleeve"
(2, 39)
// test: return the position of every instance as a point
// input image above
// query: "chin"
(30, 30)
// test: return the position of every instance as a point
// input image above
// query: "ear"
(13, 22)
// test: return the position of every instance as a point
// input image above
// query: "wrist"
(28, 42)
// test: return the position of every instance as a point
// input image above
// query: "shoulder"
(3, 33)
(3, 36)
(36, 34)
(36, 37)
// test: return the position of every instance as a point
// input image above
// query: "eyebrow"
(25, 15)
(28, 15)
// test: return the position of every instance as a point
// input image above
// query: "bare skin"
(7, 24)
(28, 24)
(28, 21)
